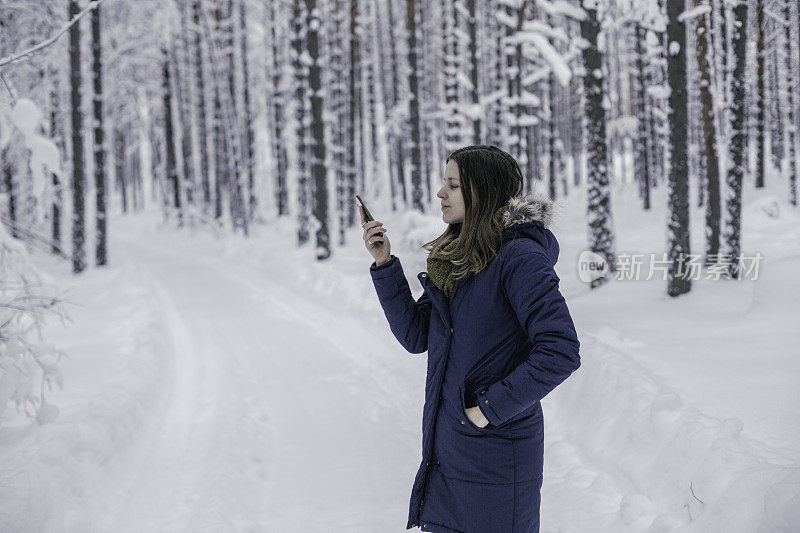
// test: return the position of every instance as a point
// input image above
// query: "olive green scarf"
(441, 268)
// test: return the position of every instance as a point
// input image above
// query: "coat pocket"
(461, 394)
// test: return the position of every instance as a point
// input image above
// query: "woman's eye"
(453, 187)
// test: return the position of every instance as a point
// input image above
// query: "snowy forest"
(183, 278)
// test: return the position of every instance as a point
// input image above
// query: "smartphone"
(367, 214)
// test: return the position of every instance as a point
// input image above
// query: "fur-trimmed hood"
(521, 209)
(531, 216)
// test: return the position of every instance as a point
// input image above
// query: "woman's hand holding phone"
(379, 247)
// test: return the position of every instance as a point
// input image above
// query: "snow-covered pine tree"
(678, 282)
(476, 113)
(204, 141)
(513, 19)
(118, 151)
(233, 112)
(553, 157)
(708, 153)
(494, 30)
(57, 134)
(354, 149)
(246, 122)
(318, 169)
(736, 170)
(413, 106)
(430, 146)
(169, 136)
(598, 211)
(790, 16)
(185, 94)
(337, 82)
(369, 108)
(613, 65)
(391, 88)
(25, 354)
(657, 91)
(760, 95)
(277, 102)
(642, 153)
(300, 74)
(222, 156)
(776, 134)
(451, 79)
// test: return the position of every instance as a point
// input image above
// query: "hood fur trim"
(521, 209)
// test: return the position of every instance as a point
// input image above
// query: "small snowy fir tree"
(27, 361)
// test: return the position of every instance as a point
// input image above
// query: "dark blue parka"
(504, 342)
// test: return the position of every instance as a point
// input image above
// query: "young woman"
(499, 338)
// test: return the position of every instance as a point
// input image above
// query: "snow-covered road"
(271, 424)
(225, 386)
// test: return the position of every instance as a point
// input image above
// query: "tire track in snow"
(271, 414)
(171, 444)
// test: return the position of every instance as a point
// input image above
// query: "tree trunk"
(678, 224)
(791, 132)
(119, 166)
(169, 139)
(473, 70)
(394, 130)
(299, 30)
(78, 178)
(642, 152)
(278, 121)
(737, 144)
(318, 170)
(761, 101)
(413, 112)
(449, 27)
(248, 152)
(599, 202)
(232, 111)
(183, 82)
(222, 156)
(709, 154)
(99, 150)
(200, 54)
(354, 121)
(57, 133)
(8, 180)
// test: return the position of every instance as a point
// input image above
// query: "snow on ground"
(115, 378)
(238, 385)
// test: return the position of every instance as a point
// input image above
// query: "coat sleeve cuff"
(485, 405)
(383, 270)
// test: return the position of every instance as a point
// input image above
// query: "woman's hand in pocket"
(475, 416)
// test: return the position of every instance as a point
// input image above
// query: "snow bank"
(115, 374)
(686, 471)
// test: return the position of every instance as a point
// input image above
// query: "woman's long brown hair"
(489, 178)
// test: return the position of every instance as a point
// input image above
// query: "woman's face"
(450, 194)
